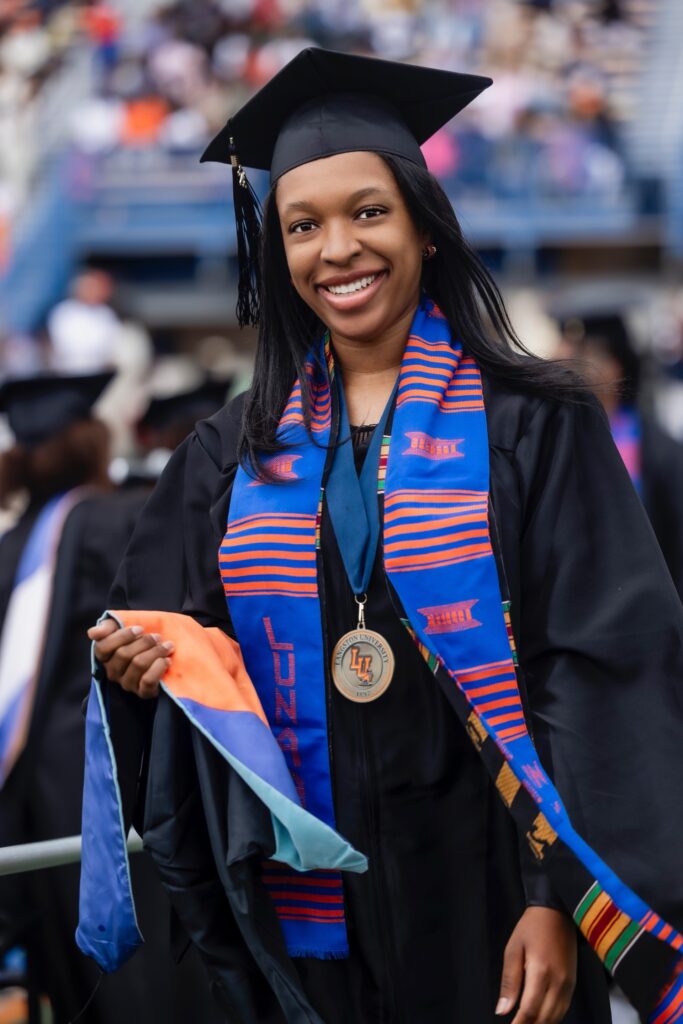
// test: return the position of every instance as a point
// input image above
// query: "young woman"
(400, 495)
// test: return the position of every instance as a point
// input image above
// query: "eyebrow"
(362, 193)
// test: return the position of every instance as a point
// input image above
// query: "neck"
(369, 369)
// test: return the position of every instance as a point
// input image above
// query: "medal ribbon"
(352, 499)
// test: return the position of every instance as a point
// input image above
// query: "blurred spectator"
(165, 422)
(654, 460)
(25, 48)
(143, 119)
(220, 358)
(97, 126)
(20, 355)
(83, 328)
(168, 419)
(103, 25)
(179, 70)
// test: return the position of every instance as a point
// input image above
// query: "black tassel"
(248, 220)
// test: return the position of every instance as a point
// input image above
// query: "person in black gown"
(654, 459)
(61, 449)
(454, 920)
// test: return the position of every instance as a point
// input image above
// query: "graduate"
(653, 458)
(412, 652)
(165, 423)
(56, 566)
(168, 419)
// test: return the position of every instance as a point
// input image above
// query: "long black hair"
(73, 457)
(456, 279)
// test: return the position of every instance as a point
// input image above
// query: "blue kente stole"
(433, 487)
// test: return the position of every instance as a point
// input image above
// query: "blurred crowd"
(35, 39)
(88, 333)
(166, 76)
(552, 127)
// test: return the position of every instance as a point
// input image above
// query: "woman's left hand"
(539, 966)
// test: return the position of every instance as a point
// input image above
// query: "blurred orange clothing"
(102, 23)
(142, 120)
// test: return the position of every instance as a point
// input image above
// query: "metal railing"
(52, 853)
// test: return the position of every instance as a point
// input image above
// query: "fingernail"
(168, 645)
(155, 636)
(504, 1006)
(137, 630)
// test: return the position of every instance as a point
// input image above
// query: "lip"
(348, 278)
(354, 300)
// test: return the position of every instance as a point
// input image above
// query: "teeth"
(354, 286)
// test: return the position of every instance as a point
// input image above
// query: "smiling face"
(353, 251)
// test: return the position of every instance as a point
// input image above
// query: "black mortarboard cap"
(40, 406)
(320, 104)
(610, 331)
(186, 406)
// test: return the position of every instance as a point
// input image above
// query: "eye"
(371, 211)
(301, 227)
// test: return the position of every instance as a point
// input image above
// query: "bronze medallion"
(362, 665)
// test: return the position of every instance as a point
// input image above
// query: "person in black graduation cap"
(377, 611)
(165, 423)
(56, 565)
(168, 419)
(653, 458)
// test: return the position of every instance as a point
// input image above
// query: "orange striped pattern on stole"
(493, 693)
(270, 553)
(321, 411)
(315, 896)
(430, 528)
(434, 372)
(670, 1007)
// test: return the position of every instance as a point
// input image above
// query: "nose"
(339, 243)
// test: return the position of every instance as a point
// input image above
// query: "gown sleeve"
(172, 565)
(601, 645)
(157, 573)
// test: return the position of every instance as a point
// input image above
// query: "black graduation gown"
(600, 637)
(42, 796)
(662, 476)
(447, 880)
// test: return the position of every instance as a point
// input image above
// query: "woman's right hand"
(134, 659)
